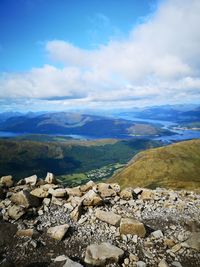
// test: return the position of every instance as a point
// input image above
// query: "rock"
(148, 244)
(92, 199)
(100, 224)
(68, 206)
(133, 257)
(127, 193)
(88, 186)
(56, 201)
(82, 220)
(108, 193)
(141, 264)
(194, 241)
(146, 195)
(105, 190)
(76, 213)
(33, 243)
(176, 248)
(75, 201)
(60, 258)
(132, 226)
(163, 263)
(183, 236)
(58, 232)
(123, 202)
(6, 181)
(173, 196)
(173, 227)
(99, 255)
(124, 238)
(126, 261)
(157, 234)
(15, 212)
(50, 179)
(40, 192)
(19, 188)
(169, 242)
(40, 182)
(66, 262)
(32, 180)
(176, 264)
(48, 186)
(59, 192)
(27, 232)
(137, 191)
(40, 212)
(21, 182)
(115, 187)
(148, 254)
(46, 201)
(74, 191)
(102, 186)
(135, 239)
(109, 217)
(24, 198)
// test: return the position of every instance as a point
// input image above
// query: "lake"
(178, 135)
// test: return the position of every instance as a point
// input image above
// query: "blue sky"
(25, 26)
(68, 54)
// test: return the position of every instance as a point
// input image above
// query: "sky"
(98, 54)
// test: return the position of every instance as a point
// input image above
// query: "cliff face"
(175, 166)
(44, 224)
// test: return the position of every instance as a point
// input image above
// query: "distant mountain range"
(118, 124)
(166, 113)
(78, 124)
(174, 166)
(6, 115)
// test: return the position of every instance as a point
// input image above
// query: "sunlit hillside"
(173, 166)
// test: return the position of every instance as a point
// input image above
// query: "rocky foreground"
(44, 224)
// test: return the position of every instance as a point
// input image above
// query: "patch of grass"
(73, 179)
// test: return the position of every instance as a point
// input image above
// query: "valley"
(21, 158)
(79, 147)
(98, 175)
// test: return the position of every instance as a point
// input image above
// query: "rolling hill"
(175, 166)
(79, 124)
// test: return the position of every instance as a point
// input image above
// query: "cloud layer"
(158, 62)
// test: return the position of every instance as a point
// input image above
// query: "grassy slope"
(23, 158)
(173, 166)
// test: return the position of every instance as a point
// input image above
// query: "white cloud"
(159, 61)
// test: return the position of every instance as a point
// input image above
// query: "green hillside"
(174, 166)
(23, 158)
